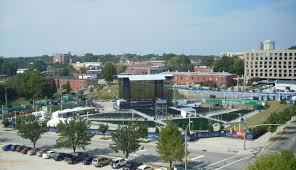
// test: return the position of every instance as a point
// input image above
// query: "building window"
(280, 54)
(285, 54)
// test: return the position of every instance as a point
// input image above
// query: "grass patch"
(274, 107)
(108, 92)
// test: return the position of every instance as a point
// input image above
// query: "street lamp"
(186, 144)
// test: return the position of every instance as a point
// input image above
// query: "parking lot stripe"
(201, 156)
(223, 160)
(233, 162)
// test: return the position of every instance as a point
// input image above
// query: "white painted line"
(200, 166)
(133, 154)
(201, 156)
(141, 150)
(233, 162)
(223, 160)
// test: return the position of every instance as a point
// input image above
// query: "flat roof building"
(270, 64)
(220, 78)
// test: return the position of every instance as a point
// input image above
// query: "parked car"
(144, 167)
(48, 154)
(101, 161)
(25, 150)
(19, 148)
(13, 147)
(88, 160)
(33, 151)
(131, 165)
(60, 156)
(41, 151)
(117, 163)
(76, 157)
(7, 147)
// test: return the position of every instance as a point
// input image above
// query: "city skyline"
(34, 28)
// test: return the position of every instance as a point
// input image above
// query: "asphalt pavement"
(286, 141)
(199, 158)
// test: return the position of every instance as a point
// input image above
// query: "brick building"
(220, 78)
(75, 84)
(62, 58)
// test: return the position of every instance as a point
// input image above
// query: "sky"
(197, 27)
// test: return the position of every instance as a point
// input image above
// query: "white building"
(267, 45)
(285, 86)
(21, 70)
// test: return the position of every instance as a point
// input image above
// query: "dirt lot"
(17, 161)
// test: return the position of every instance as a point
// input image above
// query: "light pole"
(186, 144)
(5, 97)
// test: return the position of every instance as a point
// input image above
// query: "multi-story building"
(267, 45)
(220, 78)
(270, 64)
(62, 58)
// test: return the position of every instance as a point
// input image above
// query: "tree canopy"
(233, 65)
(73, 133)
(31, 128)
(109, 71)
(170, 145)
(103, 129)
(126, 139)
(178, 62)
(31, 85)
(284, 160)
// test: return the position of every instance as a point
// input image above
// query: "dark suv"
(76, 157)
(131, 165)
(61, 156)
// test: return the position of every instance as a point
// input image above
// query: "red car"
(25, 150)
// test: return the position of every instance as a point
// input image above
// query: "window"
(280, 54)
(285, 54)
(290, 54)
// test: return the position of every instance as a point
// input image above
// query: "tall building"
(267, 45)
(62, 58)
(270, 64)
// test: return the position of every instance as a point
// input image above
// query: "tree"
(126, 140)
(142, 130)
(284, 160)
(82, 70)
(39, 66)
(31, 128)
(109, 71)
(156, 130)
(170, 145)
(103, 129)
(32, 85)
(209, 61)
(66, 87)
(178, 62)
(5, 122)
(120, 68)
(233, 65)
(210, 128)
(73, 133)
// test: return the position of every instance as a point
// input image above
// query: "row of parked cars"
(78, 157)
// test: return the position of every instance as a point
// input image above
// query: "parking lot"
(16, 161)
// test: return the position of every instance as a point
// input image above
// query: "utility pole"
(186, 145)
(5, 97)
(2, 112)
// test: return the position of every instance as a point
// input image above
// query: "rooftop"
(285, 82)
(146, 77)
(200, 73)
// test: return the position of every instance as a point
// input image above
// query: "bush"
(5, 122)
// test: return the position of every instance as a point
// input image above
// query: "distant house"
(62, 58)
(21, 70)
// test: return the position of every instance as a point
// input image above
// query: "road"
(286, 141)
(199, 158)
